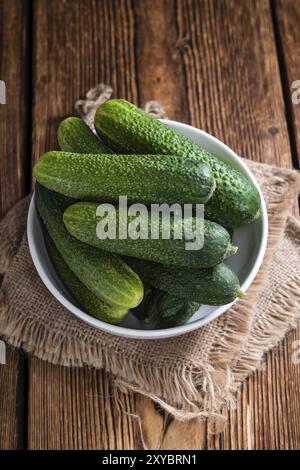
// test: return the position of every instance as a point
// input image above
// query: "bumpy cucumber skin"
(127, 129)
(103, 273)
(86, 299)
(142, 178)
(81, 221)
(173, 311)
(74, 135)
(151, 307)
(211, 286)
(141, 311)
(164, 310)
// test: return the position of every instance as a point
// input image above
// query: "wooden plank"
(13, 114)
(159, 63)
(13, 407)
(189, 56)
(233, 86)
(76, 409)
(286, 16)
(92, 42)
(14, 56)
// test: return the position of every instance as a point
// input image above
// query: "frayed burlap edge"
(280, 321)
(237, 325)
(11, 232)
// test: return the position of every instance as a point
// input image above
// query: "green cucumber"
(104, 274)
(75, 136)
(85, 298)
(127, 129)
(211, 286)
(142, 311)
(82, 222)
(142, 178)
(173, 311)
(151, 307)
(165, 310)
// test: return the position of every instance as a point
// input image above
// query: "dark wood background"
(225, 66)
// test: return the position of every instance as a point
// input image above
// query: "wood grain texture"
(13, 114)
(13, 401)
(287, 19)
(77, 45)
(159, 65)
(92, 41)
(188, 55)
(76, 409)
(13, 185)
(232, 76)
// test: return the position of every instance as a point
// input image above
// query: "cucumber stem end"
(231, 250)
(240, 294)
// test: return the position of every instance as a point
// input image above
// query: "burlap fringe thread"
(99, 94)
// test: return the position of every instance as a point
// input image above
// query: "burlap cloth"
(192, 375)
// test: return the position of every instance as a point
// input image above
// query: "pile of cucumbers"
(139, 157)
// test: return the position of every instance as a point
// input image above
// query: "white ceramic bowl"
(251, 240)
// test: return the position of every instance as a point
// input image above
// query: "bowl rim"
(158, 333)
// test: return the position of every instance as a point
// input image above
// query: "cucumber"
(75, 136)
(173, 311)
(85, 298)
(127, 129)
(104, 274)
(166, 310)
(211, 286)
(82, 222)
(142, 178)
(142, 311)
(151, 307)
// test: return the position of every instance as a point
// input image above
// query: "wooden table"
(225, 66)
